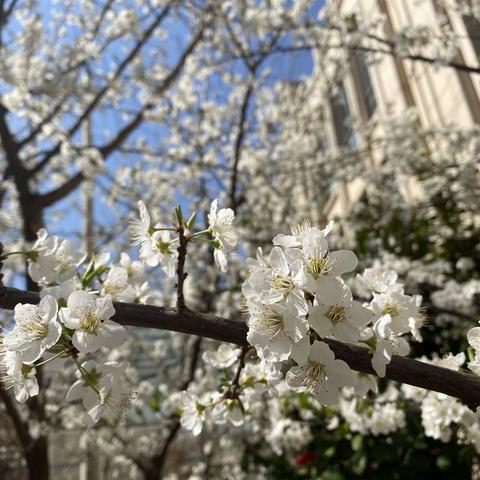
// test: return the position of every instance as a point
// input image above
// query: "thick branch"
(464, 386)
(124, 133)
(10, 146)
(48, 199)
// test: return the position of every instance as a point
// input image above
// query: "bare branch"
(48, 199)
(414, 57)
(238, 143)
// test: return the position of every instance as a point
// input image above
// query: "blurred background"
(363, 112)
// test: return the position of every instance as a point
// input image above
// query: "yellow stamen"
(336, 314)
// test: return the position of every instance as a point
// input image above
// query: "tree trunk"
(36, 454)
(32, 214)
(37, 459)
(151, 474)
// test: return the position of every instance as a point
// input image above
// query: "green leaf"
(360, 466)
(357, 443)
(179, 214)
(191, 220)
(443, 462)
(330, 452)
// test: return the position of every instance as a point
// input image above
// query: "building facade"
(440, 95)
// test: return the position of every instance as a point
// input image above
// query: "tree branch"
(70, 185)
(49, 198)
(130, 127)
(238, 142)
(158, 460)
(181, 275)
(414, 57)
(99, 96)
(464, 386)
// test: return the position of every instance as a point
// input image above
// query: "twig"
(2, 258)
(181, 275)
(234, 386)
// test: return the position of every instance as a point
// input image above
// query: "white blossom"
(102, 391)
(304, 236)
(388, 343)
(89, 316)
(377, 280)
(228, 410)
(17, 376)
(343, 320)
(36, 329)
(117, 285)
(193, 413)
(403, 309)
(225, 356)
(282, 280)
(53, 259)
(273, 329)
(223, 231)
(321, 375)
(156, 246)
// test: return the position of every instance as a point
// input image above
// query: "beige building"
(440, 95)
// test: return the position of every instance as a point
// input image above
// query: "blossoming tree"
(197, 115)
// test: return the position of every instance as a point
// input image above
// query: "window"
(342, 119)
(363, 83)
(472, 24)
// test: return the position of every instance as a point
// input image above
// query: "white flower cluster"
(53, 259)
(396, 314)
(71, 322)
(296, 298)
(74, 316)
(225, 238)
(382, 417)
(473, 337)
(157, 247)
(233, 399)
(443, 417)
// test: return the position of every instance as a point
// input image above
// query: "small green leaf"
(191, 220)
(179, 214)
(357, 443)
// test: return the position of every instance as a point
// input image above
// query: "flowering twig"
(464, 386)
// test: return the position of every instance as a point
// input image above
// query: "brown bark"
(464, 386)
(37, 459)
